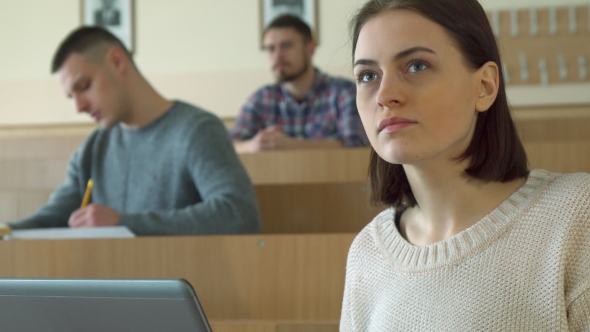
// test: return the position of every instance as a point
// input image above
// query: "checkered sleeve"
(350, 127)
(249, 122)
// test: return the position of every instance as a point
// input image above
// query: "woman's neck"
(449, 201)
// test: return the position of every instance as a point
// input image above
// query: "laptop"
(91, 305)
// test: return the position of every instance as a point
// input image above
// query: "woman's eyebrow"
(397, 57)
(366, 62)
(412, 50)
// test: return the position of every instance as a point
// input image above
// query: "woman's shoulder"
(368, 235)
(570, 194)
(563, 205)
(573, 180)
(567, 188)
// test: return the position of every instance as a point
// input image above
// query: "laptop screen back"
(99, 305)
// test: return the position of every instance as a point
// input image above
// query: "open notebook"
(71, 233)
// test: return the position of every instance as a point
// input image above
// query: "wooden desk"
(299, 191)
(311, 191)
(256, 277)
(324, 191)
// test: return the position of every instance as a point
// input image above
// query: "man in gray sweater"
(158, 166)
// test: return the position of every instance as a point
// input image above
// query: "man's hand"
(271, 138)
(94, 215)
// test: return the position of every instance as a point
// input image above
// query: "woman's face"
(415, 93)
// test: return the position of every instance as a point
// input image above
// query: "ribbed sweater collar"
(408, 258)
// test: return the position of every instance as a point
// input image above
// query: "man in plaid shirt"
(306, 108)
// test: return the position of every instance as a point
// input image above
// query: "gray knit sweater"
(177, 175)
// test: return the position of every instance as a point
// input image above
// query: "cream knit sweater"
(524, 267)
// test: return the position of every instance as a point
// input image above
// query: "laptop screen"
(100, 305)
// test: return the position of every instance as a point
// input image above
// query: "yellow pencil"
(87, 193)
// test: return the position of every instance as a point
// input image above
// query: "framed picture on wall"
(117, 16)
(307, 10)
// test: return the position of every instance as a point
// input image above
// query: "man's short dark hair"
(290, 21)
(83, 40)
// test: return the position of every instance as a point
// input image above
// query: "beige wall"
(202, 51)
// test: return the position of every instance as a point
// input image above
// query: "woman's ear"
(488, 85)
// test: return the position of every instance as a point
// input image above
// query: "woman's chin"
(395, 156)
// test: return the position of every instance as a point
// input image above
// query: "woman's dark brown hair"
(495, 152)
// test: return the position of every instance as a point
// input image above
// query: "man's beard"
(284, 77)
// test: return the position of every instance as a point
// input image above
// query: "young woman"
(471, 240)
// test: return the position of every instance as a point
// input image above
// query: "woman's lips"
(394, 124)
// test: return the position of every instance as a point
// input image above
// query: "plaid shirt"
(327, 111)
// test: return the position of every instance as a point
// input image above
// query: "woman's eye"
(417, 66)
(366, 77)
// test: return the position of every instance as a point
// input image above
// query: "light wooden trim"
(559, 112)
(78, 129)
(266, 277)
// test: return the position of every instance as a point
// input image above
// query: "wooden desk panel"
(566, 156)
(307, 166)
(314, 208)
(272, 277)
